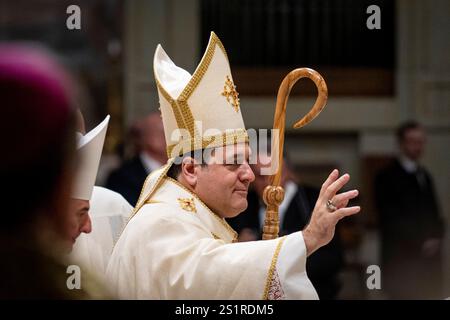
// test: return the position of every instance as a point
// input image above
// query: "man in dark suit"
(129, 178)
(410, 223)
(295, 211)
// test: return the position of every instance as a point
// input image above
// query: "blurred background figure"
(324, 265)
(410, 222)
(36, 169)
(129, 178)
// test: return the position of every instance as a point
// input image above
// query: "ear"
(189, 171)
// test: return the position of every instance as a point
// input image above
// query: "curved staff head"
(274, 193)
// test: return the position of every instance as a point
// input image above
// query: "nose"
(86, 227)
(247, 173)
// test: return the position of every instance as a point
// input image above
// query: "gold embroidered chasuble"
(175, 247)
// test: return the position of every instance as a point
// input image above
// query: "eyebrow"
(235, 158)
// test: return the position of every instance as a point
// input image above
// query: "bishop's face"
(79, 220)
(223, 184)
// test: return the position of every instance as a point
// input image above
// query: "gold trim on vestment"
(140, 203)
(228, 138)
(187, 204)
(229, 91)
(181, 111)
(202, 67)
(215, 236)
(150, 201)
(218, 218)
(273, 265)
(134, 210)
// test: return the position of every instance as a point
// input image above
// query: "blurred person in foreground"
(324, 265)
(37, 169)
(410, 222)
(129, 178)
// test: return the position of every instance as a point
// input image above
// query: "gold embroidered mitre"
(201, 110)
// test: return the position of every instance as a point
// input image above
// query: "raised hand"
(329, 209)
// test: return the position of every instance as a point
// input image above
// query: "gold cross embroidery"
(187, 204)
(229, 91)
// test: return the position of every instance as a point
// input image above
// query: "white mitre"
(204, 105)
(198, 111)
(89, 149)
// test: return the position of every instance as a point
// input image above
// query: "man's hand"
(321, 227)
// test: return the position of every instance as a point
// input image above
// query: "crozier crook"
(273, 194)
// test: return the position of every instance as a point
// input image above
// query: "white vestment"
(175, 247)
(109, 212)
